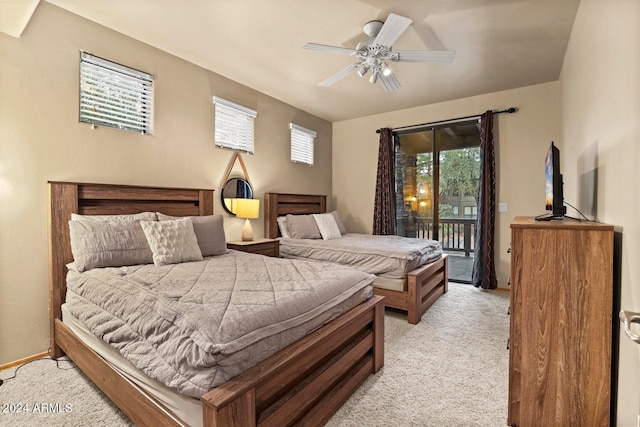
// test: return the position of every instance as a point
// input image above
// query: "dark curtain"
(383, 207)
(484, 270)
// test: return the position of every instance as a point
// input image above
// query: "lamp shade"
(247, 208)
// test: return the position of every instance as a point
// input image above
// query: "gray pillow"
(108, 243)
(341, 226)
(302, 227)
(282, 225)
(209, 232)
(172, 242)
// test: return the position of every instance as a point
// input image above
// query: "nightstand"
(268, 247)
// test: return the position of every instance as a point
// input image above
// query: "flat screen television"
(554, 201)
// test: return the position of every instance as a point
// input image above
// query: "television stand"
(552, 217)
(548, 217)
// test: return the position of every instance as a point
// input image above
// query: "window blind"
(114, 95)
(234, 125)
(301, 144)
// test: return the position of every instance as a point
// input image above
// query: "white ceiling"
(15, 15)
(500, 44)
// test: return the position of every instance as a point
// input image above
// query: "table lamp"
(247, 208)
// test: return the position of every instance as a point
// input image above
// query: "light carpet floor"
(449, 370)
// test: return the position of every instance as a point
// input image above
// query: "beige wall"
(41, 139)
(522, 140)
(600, 98)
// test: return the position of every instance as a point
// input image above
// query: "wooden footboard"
(424, 286)
(309, 380)
(303, 384)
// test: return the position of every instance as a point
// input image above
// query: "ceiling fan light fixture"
(363, 70)
(386, 71)
(374, 76)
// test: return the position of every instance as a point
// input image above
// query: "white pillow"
(209, 231)
(172, 241)
(328, 226)
(282, 225)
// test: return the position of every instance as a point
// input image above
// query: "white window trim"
(234, 125)
(302, 144)
(114, 95)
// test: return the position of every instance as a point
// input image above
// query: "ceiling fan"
(375, 51)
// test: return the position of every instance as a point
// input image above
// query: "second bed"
(411, 273)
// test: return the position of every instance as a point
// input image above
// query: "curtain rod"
(508, 111)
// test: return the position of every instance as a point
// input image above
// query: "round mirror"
(235, 188)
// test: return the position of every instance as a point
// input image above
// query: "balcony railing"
(455, 234)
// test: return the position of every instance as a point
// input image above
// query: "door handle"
(629, 317)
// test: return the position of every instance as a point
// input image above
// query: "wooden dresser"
(561, 323)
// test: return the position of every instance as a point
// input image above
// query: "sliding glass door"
(437, 174)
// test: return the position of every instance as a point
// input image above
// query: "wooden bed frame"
(424, 284)
(304, 383)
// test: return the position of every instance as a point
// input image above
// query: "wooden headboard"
(66, 198)
(280, 204)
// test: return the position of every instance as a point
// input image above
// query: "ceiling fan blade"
(330, 49)
(389, 83)
(393, 28)
(425, 55)
(340, 74)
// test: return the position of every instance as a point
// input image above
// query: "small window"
(234, 125)
(301, 144)
(456, 210)
(470, 211)
(115, 96)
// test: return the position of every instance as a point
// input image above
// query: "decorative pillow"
(143, 216)
(209, 231)
(302, 227)
(172, 241)
(108, 243)
(282, 225)
(327, 226)
(341, 226)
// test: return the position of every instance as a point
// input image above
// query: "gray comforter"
(387, 256)
(196, 325)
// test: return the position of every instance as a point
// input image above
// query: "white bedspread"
(386, 256)
(195, 325)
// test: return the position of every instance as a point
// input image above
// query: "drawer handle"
(628, 317)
